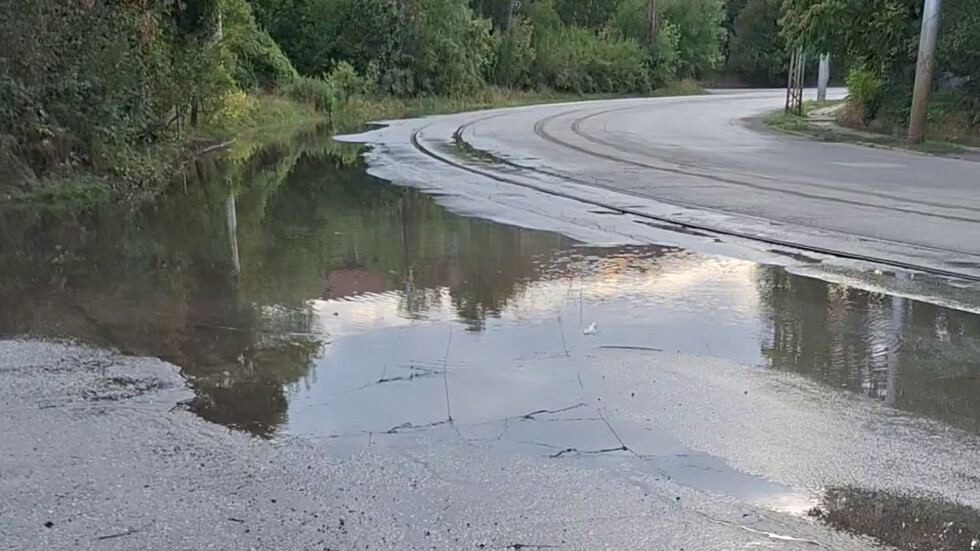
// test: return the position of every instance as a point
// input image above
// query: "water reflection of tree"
(162, 279)
(353, 222)
(916, 356)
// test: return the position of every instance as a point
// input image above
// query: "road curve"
(706, 162)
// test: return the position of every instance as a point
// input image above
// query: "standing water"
(300, 295)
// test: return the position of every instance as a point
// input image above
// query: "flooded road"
(301, 297)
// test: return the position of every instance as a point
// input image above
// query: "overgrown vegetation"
(456, 47)
(113, 92)
(879, 39)
(101, 97)
(353, 112)
(105, 92)
(822, 128)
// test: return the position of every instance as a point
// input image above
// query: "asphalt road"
(708, 162)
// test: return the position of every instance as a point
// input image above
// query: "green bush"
(589, 14)
(543, 14)
(340, 85)
(757, 50)
(883, 35)
(864, 93)
(314, 34)
(573, 59)
(449, 48)
(514, 55)
(258, 61)
(88, 84)
(663, 56)
(313, 91)
(946, 102)
(344, 81)
(423, 46)
(700, 31)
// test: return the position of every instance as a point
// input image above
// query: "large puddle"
(300, 295)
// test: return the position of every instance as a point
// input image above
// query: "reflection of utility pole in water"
(894, 354)
(408, 284)
(887, 324)
(231, 223)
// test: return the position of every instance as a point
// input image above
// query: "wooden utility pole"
(650, 21)
(924, 69)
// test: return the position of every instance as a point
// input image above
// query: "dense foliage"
(455, 46)
(88, 85)
(756, 51)
(880, 39)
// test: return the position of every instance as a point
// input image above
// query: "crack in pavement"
(627, 347)
(613, 431)
(412, 426)
(412, 377)
(531, 416)
(587, 452)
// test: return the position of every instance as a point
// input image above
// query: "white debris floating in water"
(592, 329)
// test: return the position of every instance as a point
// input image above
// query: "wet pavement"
(304, 300)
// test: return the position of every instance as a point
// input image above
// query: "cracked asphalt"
(121, 468)
(124, 469)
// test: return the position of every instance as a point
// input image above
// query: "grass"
(790, 122)
(812, 105)
(937, 147)
(246, 122)
(787, 122)
(354, 113)
(139, 174)
(71, 192)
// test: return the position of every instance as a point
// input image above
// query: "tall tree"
(650, 21)
(699, 24)
(590, 14)
(757, 52)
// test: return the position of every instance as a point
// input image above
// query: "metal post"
(801, 76)
(924, 69)
(823, 78)
(794, 88)
(790, 82)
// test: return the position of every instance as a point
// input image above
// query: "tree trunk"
(650, 21)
